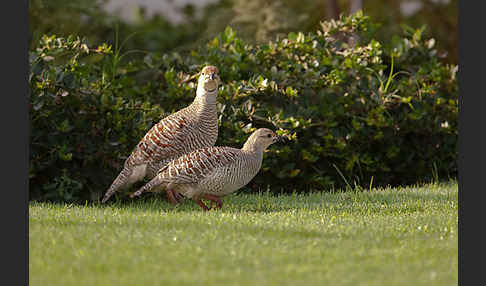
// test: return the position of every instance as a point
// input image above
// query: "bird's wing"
(196, 165)
(163, 140)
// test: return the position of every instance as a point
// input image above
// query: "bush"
(356, 113)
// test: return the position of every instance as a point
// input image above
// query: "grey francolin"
(191, 128)
(212, 172)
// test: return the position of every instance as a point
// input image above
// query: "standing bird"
(213, 172)
(191, 128)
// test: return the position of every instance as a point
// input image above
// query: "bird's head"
(209, 79)
(261, 138)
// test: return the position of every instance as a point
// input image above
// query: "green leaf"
(292, 36)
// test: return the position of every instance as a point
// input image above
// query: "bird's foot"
(174, 197)
(213, 199)
(203, 206)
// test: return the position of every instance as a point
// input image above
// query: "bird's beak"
(211, 76)
(280, 139)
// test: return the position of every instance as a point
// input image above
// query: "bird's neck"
(205, 100)
(251, 147)
(256, 158)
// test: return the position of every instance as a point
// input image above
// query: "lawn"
(406, 236)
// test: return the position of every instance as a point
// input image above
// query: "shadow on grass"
(263, 203)
(267, 202)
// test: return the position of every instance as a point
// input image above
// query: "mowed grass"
(406, 236)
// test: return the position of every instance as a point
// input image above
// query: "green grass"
(405, 236)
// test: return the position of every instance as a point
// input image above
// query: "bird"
(188, 129)
(213, 172)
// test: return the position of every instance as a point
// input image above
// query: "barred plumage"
(193, 127)
(213, 172)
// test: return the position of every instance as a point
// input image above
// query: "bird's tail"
(120, 181)
(147, 187)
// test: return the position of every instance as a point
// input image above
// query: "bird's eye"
(202, 73)
(269, 135)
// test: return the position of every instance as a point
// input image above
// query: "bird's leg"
(171, 197)
(178, 197)
(213, 199)
(203, 206)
